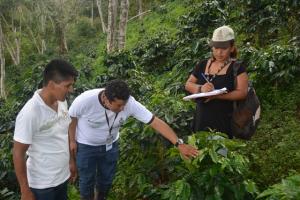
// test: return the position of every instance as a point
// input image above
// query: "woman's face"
(222, 54)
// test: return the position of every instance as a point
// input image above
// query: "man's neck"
(48, 99)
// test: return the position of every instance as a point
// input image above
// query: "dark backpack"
(246, 113)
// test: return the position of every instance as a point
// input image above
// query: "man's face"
(116, 105)
(62, 89)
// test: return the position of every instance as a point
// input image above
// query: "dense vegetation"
(161, 51)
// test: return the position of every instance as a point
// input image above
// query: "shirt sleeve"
(76, 107)
(26, 125)
(139, 112)
(241, 69)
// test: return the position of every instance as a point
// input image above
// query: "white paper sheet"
(206, 94)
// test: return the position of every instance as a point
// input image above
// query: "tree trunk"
(111, 26)
(14, 52)
(123, 23)
(18, 49)
(44, 47)
(92, 14)
(61, 25)
(104, 29)
(2, 65)
(42, 22)
(63, 42)
(140, 4)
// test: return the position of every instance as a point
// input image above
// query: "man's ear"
(51, 84)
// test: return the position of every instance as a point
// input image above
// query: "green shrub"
(287, 189)
(219, 172)
(154, 53)
(275, 145)
(8, 186)
(273, 66)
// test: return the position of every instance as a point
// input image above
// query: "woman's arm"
(193, 88)
(239, 93)
(191, 85)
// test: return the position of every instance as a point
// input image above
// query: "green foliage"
(8, 187)
(287, 189)
(194, 25)
(84, 28)
(73, 193)
(153, 53)
(273, 66)
(85, 80)
(265, 22)
(8, 195)
(177, 113)
(161, 18)
(21, 91)
(83, 39)
(118, 64)
(218, 172)
(142, 162)
(192, 37)
(164, 48)
(275, 146)
(178, 190)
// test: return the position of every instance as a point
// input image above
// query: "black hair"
(58, 70)
(117, 89)
(235, 51)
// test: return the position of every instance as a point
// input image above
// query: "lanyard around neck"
(107, 121)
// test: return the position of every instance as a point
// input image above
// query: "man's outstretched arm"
(165, 130)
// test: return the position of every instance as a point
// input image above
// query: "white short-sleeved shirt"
(92, 128)
(47, 133)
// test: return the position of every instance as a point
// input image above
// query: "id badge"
(109, 142)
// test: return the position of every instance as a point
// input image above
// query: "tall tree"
(123, 23)
(13, 43)
(43, 16)
(92, 13)
(140, 4)
(111, 25)
(2, 65)
(63, 13)
(61, 25)
(99, 6)
(33, 17)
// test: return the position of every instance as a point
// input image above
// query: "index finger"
(210, 84)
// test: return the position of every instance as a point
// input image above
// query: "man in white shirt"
(41, 132)
(97, 116)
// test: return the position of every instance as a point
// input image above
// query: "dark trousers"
(97, 168)
(54, 193)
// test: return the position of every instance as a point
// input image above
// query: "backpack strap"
(236, 66)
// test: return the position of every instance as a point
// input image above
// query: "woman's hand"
(207, 87)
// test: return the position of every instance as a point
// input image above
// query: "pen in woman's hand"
(205, 78)
(208, 86)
